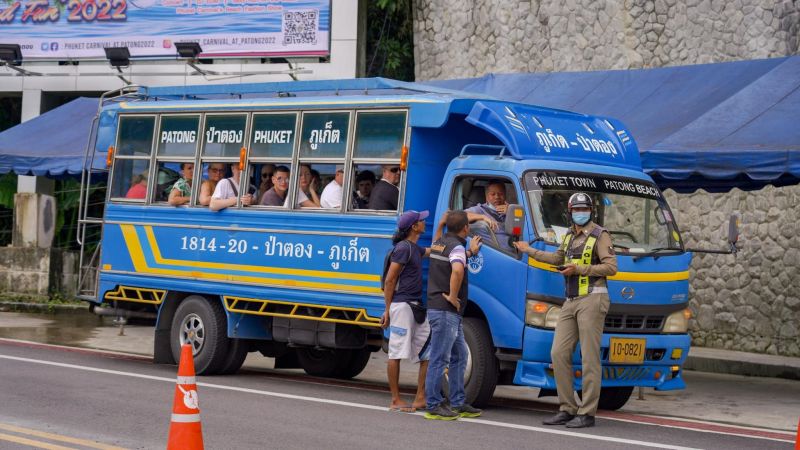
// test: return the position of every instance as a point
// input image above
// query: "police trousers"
(581, 319)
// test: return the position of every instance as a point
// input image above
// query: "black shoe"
(581, 421)
(441, 413)
(466, 410)
(559, 419)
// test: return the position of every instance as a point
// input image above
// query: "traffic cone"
(185, 432)
(797, 440)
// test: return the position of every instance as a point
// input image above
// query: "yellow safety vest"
(578, 285)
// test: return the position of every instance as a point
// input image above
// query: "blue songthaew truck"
(301, 283)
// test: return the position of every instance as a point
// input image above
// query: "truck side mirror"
(733, 238)
(515, 221)
(733, 231)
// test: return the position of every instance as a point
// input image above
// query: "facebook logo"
(54, 47)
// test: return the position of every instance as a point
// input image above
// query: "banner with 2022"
(81, 29)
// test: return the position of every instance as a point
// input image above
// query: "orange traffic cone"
(185, 432)
(797, 440)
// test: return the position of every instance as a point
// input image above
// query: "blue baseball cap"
(409, 218)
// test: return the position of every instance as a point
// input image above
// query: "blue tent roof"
(711, 126)
(52, 144)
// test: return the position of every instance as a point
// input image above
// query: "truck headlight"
(678, 322)
(541, 314)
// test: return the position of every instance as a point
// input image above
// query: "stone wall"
(458, 38)
(750, 301)
(38, 272)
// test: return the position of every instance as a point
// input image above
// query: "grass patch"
(10, 301)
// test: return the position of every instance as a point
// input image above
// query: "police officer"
(587, 257)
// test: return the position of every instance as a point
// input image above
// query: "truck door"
(497, 274)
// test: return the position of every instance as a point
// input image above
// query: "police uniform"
(583, 313)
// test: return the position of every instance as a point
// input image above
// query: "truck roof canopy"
(527, 131)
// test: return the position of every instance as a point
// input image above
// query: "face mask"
(581, 218)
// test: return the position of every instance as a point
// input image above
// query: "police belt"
(594, 290)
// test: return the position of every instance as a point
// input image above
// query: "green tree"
(390, 39)
(8, 186)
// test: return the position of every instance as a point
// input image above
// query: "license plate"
(626, 351)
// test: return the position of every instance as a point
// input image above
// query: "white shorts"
(407, 338)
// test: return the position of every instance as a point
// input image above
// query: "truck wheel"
(481, 374)
(200, 323)
(237, 353)
(614, 398)
(319, 363)
(355, 364)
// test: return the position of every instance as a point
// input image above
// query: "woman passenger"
(216, 171)
(307, 196)
(182, 189)
(138, 188)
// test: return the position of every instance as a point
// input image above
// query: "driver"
(493, 213)
(585, 258)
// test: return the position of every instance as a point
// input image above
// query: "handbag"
(419, 310)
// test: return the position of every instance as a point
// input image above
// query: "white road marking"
(703, 430)
(790, 436)
(344, 403)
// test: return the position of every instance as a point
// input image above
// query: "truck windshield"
(633, 211)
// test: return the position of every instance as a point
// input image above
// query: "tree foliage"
(390, 39)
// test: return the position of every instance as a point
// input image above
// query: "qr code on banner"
(300, 27)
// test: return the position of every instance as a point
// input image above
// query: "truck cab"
(544, 157)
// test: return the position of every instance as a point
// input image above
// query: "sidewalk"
(742, 363)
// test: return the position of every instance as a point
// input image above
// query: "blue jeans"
(447, 348)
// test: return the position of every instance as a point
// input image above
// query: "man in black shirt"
(447, 300)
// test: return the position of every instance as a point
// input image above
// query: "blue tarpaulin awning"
(52, 144)
(710, 126)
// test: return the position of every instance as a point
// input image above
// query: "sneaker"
(440, 413)
(466, 410)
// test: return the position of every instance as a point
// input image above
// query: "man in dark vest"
(447, 300)
(586, 257)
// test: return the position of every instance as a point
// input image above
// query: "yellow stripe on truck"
(625, 276)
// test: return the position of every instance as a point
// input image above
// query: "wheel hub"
(193, 332)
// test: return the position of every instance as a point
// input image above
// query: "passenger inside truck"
(470, 192)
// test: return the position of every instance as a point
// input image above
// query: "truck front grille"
(633, 323)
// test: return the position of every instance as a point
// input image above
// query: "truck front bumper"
(662, 368)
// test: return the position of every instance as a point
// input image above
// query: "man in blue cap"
(405, 314)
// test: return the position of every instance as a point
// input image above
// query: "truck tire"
(481, 375)
(614, 398)
(319, 362)
(237, 353)
(358, 360)
(202, 324)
